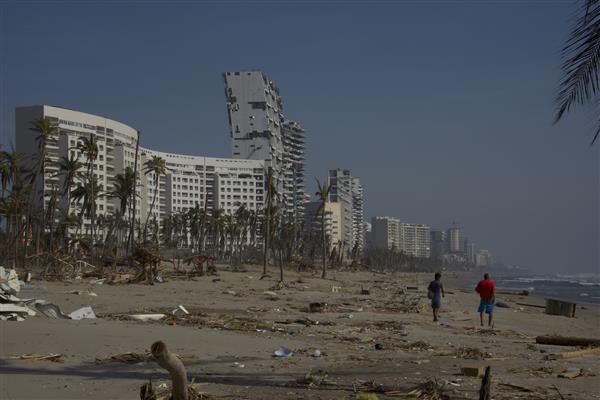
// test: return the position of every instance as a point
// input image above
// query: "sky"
(443, 109)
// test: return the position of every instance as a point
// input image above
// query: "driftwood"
(573, 354)
(567, 341)
(170, 362)
(485, 392)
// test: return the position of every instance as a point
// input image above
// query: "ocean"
(579, 288)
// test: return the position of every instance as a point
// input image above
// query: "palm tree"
(123, 189)
(581, 65)
(323, 195)
(156, 166)
(268, 214)
(69, 169)
(87, 194)
(89, 147)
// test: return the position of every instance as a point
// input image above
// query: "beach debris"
(9, 281)
(79, 292)
(283, 352)
(560, 307)
(335, 289)
(125, 358)
(33, 286)
(472, 353)
(50, 310)
(271, 295)
(472, 370)
(146, 317)
(485, 391)
(531, 305)
(570, 373)
(364, 291)
(83, 313)
(502, 304)
(316, 307)
(231, 292)
(567, 341)
(516, 387)
(542, 371)
(317, 353)
(419, 345)
(180, 310)
(545, 350)
(238, 365)
(176, 369)
(429, 390)
(366, 396)
(379, 346)
(574, 354)
(54, 357)
(314, 378)
(15, 309)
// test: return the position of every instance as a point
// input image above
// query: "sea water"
(579, 288)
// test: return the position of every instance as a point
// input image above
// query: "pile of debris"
(472, 353)
(12, 308)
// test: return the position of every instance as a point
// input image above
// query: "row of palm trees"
(57, 225)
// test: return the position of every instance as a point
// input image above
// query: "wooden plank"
(560, 307)
(531, 305)
(573, 354)
(567, 341)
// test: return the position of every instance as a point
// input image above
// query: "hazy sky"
(444, 110)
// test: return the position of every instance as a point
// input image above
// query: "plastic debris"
(50, 310)
(502, 304)
(283, 352)
(9, 281)
(39, 357)
(317, 353)
(146, 317)
(83, 313)
(180, 310)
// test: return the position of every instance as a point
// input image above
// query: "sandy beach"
(386, 337)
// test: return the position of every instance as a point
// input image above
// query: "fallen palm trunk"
(170, 362)
(485, 392)
(567, 341)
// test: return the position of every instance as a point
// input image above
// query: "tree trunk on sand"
(485, 392)
(171, 363)
(567, 341)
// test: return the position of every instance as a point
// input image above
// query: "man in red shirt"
(487, 291)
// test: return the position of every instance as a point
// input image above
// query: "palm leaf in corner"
(581, 64)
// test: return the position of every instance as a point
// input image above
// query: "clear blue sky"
(443, 109)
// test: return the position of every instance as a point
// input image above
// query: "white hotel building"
(215, 182)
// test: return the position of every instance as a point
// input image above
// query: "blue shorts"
(436, 303)
(486, 306)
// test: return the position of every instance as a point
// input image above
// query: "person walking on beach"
(487, 292)
(435, 291)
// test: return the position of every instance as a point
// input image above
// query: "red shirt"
(486, 289)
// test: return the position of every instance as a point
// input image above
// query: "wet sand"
(234, 358)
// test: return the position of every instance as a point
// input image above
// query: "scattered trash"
(238, 365)
(570, 373)
(472, 370)
(126, 358)
(83, 313)
(316, 307)
(39, 357)
(98, 281)
(317, 353)
(574, 354)
(33, 286)
(472, 353)
(12, 308)
(231, 292)
(271, 294)
(162, 386)
(180, 310)
(335, 289)
(314, 378)
(9, 281)
(365, 292)
(501, 304)
(379, 346)
(367, 396)
(79, 292)
(146, 317)
(544, 350)
(50, 310)
(283, 352)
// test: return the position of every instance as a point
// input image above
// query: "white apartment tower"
(347, 190)
(412, 239)
(259, 131)
(211, 183)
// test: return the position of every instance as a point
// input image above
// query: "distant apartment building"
(385, 233)
(391, 234)
(454, 240)
(190, 180)
(259, 131)
(347, 190)
(438, 244)
(415, 240)
(368, 230)
(334, 221)
(483, 258)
